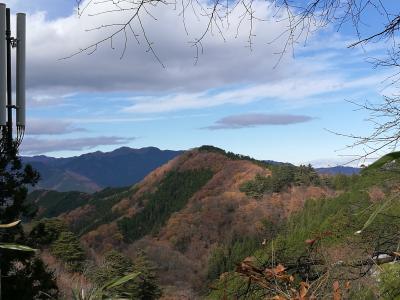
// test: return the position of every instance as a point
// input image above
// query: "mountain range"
(92, 172)
(124, 166)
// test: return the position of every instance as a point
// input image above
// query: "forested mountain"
(93, 171)
(184, 210)
(209, 220)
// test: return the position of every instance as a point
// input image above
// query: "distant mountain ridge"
(121, 167)
(94, 171)
(338, 170)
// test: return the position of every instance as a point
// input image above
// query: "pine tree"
(114, 265)
(68, 248)
(46, 231)
(146, 287)
(23, 276)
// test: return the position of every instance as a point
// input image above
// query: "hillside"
(94, 171)
(343, 247)
(184, 210)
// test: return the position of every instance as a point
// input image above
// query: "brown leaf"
(279, 269)
(277, 297)
(336, 291)
(303, 290)
(347, 285)
(310, 241)
(276, 272)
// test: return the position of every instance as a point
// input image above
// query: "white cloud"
(50, 127)
(290, 89)
(181, 85)
(223, 63)
(33, 146)
(257, 119)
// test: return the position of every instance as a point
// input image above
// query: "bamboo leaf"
(375, 213)
(119, 281)
(16, 247)
(75, 295)
(10, 224)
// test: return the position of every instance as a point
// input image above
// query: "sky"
(251, 101)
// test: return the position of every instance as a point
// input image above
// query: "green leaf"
(383, 160)
(76, 295)
(377, 211)
(16, 247)
(10, 224)
(121, 280)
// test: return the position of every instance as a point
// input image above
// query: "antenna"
(20, 86)
(21, 40)
(3, 67)
(7, 42)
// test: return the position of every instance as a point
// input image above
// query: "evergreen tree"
(116, 265)
(68, 248)
(46, 231)
(146, 287)
(22, 275)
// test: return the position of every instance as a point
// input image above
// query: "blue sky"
(232, 98)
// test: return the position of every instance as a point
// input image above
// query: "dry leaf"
(249, 259)
(279, 269)
(347, 285)
(303, 289)
(277, 297)
(336, 291)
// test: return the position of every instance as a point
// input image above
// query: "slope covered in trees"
(345, 245)
(208, 221)
(185, 212)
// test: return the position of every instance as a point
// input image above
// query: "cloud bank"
(253, 120)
